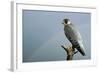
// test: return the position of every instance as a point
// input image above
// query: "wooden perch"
(70, 52)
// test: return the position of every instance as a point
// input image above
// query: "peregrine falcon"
(73, 36)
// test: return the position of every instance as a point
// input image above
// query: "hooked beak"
(63, 22)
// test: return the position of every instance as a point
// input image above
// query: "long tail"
(80, 49)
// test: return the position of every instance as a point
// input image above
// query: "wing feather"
(74, 37)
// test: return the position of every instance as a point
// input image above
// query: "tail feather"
(80, 49)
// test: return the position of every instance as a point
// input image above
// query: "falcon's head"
(66, 22)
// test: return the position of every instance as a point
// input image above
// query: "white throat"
(69, 22)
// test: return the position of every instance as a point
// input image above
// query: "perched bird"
(73, 36)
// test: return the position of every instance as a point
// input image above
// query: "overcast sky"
(43, 35)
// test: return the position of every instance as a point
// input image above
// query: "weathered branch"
(70, 52)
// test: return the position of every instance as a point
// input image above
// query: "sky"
(43, 35)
